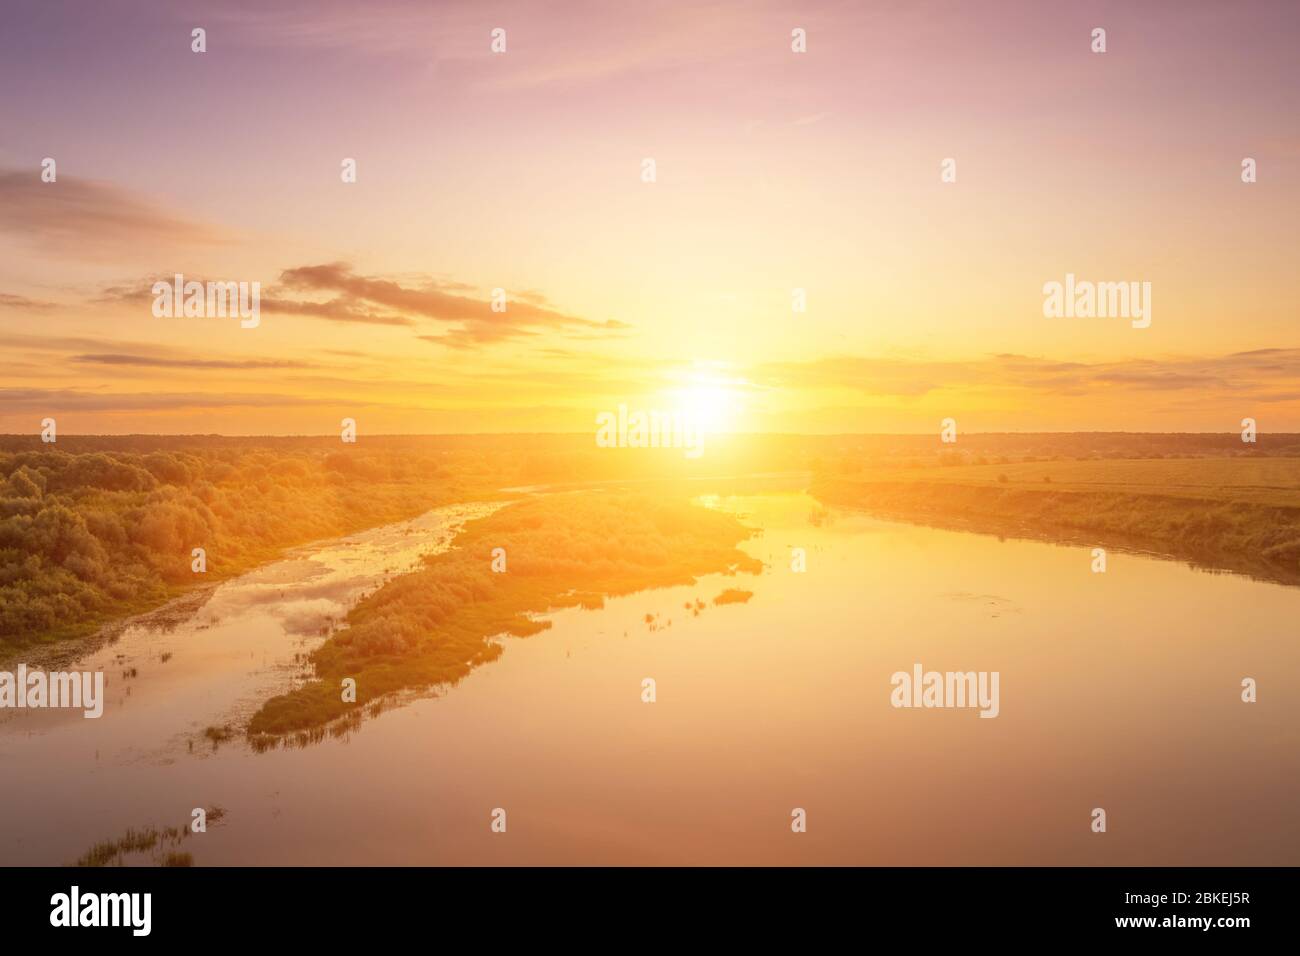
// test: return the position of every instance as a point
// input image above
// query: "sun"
(711, 404)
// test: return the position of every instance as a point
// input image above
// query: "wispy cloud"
(1258, 373)
(114, 353)
(147, 361)
(342, 309)
(452, 37)
(88, 219)
(24, 304)
(50, 400)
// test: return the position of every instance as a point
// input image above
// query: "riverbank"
(1233, 514)
(90, 539)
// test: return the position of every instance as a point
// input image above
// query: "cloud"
(334, 292)
(9, 301)
(108, 352)
(147, 361)
(53, 401)
(341, 309)
(87, 219)
(359, 298)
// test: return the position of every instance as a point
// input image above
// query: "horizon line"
(563, 434)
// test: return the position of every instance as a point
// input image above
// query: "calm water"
(1118, 690)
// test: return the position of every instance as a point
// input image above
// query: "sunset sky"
(522, 170)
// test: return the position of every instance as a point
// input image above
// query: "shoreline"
(1112, 520)
(61, 652)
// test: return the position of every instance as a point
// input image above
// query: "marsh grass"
(433, 626)
(156, 845)
(733, 596)
(219, 734)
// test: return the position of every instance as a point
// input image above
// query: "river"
(1119, 690)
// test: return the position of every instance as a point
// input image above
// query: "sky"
(523, 171)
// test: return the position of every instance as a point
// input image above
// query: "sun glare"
(712, 404)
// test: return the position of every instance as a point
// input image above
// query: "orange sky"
(522, 171)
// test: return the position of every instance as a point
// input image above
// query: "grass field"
(1239, 513)
(1265, 481)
